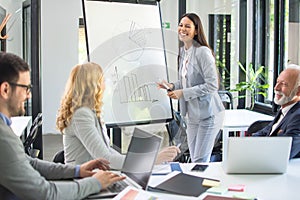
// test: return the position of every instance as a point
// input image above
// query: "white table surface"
(20, 124)
(263, 186)
(242, 118)
(239, 120)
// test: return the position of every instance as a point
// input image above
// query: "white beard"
(284, 99)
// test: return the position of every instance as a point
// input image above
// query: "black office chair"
(226, 98)
(256, 126)
(59, 157)
(216, 155)
(33, 132)
(177, 136)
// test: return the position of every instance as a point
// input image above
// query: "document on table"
(167, 168)
(133, 193)
(162, 169)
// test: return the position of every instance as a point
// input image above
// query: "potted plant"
(255, 83)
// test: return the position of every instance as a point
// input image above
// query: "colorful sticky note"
(243, 195)
(210, 183)
(237, 188)
(217, 190)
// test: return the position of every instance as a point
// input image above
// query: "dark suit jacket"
(289, 126)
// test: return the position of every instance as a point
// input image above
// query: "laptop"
(257, 155)
(138, 164)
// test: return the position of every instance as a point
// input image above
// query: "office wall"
(14, 26)
(293, 38)
(59, 53)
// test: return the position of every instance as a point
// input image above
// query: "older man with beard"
(287, 120)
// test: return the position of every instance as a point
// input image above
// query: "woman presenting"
(197, 88)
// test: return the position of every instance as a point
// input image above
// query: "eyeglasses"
(28, 87)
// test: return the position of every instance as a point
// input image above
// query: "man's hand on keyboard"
(107, 178)
(86, 169)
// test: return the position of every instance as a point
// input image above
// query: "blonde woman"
(79, 120)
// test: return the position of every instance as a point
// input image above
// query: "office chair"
(177, 136)
(32, 136)
(256, 126)
(216, 155)
(59, 157)
(226, 98)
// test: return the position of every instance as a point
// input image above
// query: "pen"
(166, 86)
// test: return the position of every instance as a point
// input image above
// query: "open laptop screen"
(141, 156)
(257, 154)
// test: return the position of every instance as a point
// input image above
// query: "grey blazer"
(23, 177)
(200, 97)
(84, 140)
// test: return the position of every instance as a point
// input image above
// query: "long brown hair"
(200, 38)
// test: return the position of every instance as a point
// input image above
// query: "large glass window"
(276, 30)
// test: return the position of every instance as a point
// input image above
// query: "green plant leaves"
(255, 84)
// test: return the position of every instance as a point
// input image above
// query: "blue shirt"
(6, 120)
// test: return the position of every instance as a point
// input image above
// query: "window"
(270, 46)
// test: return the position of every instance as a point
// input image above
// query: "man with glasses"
(287, 120)
(27, 87)
(23, 177)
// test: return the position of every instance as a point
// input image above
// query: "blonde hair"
(84, 88)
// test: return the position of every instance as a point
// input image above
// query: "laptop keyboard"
(117, 186)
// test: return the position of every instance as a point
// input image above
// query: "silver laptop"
(255, 155)
(138, 164)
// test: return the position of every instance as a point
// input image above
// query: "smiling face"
(18, 96)
(286, 89)
(186, 31)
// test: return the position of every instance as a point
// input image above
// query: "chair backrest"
(256, 126)
(37, 122)
(177, 136)
(59, 157)
(226, 98)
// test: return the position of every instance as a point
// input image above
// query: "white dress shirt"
(283, 111)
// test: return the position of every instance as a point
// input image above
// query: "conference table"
(259, 186)
(239, 120)
(262, 186)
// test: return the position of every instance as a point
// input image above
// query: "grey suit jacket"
(200, 97)
(23, 177)
(84, 140)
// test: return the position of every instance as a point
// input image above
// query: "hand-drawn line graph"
(132, 40)
(137, 35)
(131, 91)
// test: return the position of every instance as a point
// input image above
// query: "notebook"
(138, 164)
(182, 184)
(247, 155)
